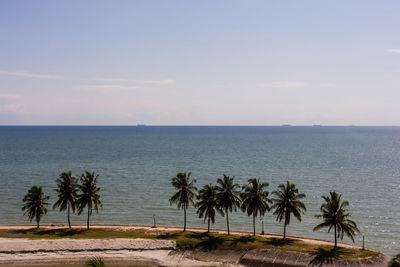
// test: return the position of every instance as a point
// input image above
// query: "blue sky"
(200, 62)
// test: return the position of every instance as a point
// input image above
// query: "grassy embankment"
(191, 240)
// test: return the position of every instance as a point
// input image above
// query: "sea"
(136, 163)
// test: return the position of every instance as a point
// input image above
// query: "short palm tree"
(228, 197)
(255, 199)
(395, 262)
(185, 194)
(67, 192)
(89, 194)
(287, 201)
(95, 262)
(335, 215)
(35, 205)
(207, 203)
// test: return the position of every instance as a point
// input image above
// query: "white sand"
(154, 252)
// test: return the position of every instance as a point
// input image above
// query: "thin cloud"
(30, 75)
(7, 100)
(396, 51)
(8, 96)
(281, 84)
(158, 82)
(106, 87)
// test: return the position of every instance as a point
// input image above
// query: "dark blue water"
(137, 163)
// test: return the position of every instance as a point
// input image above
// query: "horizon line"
(192, 125)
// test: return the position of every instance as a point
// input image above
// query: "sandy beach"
(117, 252)
(177, 228)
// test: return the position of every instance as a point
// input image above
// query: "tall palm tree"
(67, 193)
(89, 194)
(228, 197)
(207, 203)
(255, 199)
(335, 215)
(287, 201)
(35, 205)
(185, 194)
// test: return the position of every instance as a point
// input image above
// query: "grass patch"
(196, 240)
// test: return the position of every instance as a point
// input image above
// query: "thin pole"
(363, 244)
(154, 221)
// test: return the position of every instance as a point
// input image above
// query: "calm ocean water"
(137, 163)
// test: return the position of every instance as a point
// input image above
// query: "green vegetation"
(228, 197)
(335, 214)
(35, 205)
(89, 194)
(207, 203)
(395, 262)
(189, 240)
(95, 262)
(287, 201)
(185, 194)
(67, 192)
(255, 199)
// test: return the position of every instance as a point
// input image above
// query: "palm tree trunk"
(88, 216)
(227, 221)
(284, 230)
(69, 221)
(208, 229)
(335, 239)
(254, 224)
(37, 222)
(184, 218)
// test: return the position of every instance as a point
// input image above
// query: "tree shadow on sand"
(200, 236)
(210, 243)
(242, 240)
(279, 242)
(54, 232)
(168, 236)
(326, 256)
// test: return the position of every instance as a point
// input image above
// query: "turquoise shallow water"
(137, 163)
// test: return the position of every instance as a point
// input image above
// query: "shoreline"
(179, 228)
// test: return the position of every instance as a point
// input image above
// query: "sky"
(208, 62)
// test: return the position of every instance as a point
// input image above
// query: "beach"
(138, 251)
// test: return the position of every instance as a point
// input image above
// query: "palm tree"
(67, 192)
(228, 197)
(287, 201)
(89, 194)
(335, 214)
(185, 194)
(35, 205)
(207, 203)
(255, 199)
(395, 262)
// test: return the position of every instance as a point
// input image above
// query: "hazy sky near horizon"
(200, 62)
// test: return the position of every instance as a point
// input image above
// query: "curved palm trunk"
(184, 216)
(69, 221)
(88, 216)
(335, 239)
(208, 229)
(227, 221)
(254, 224)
